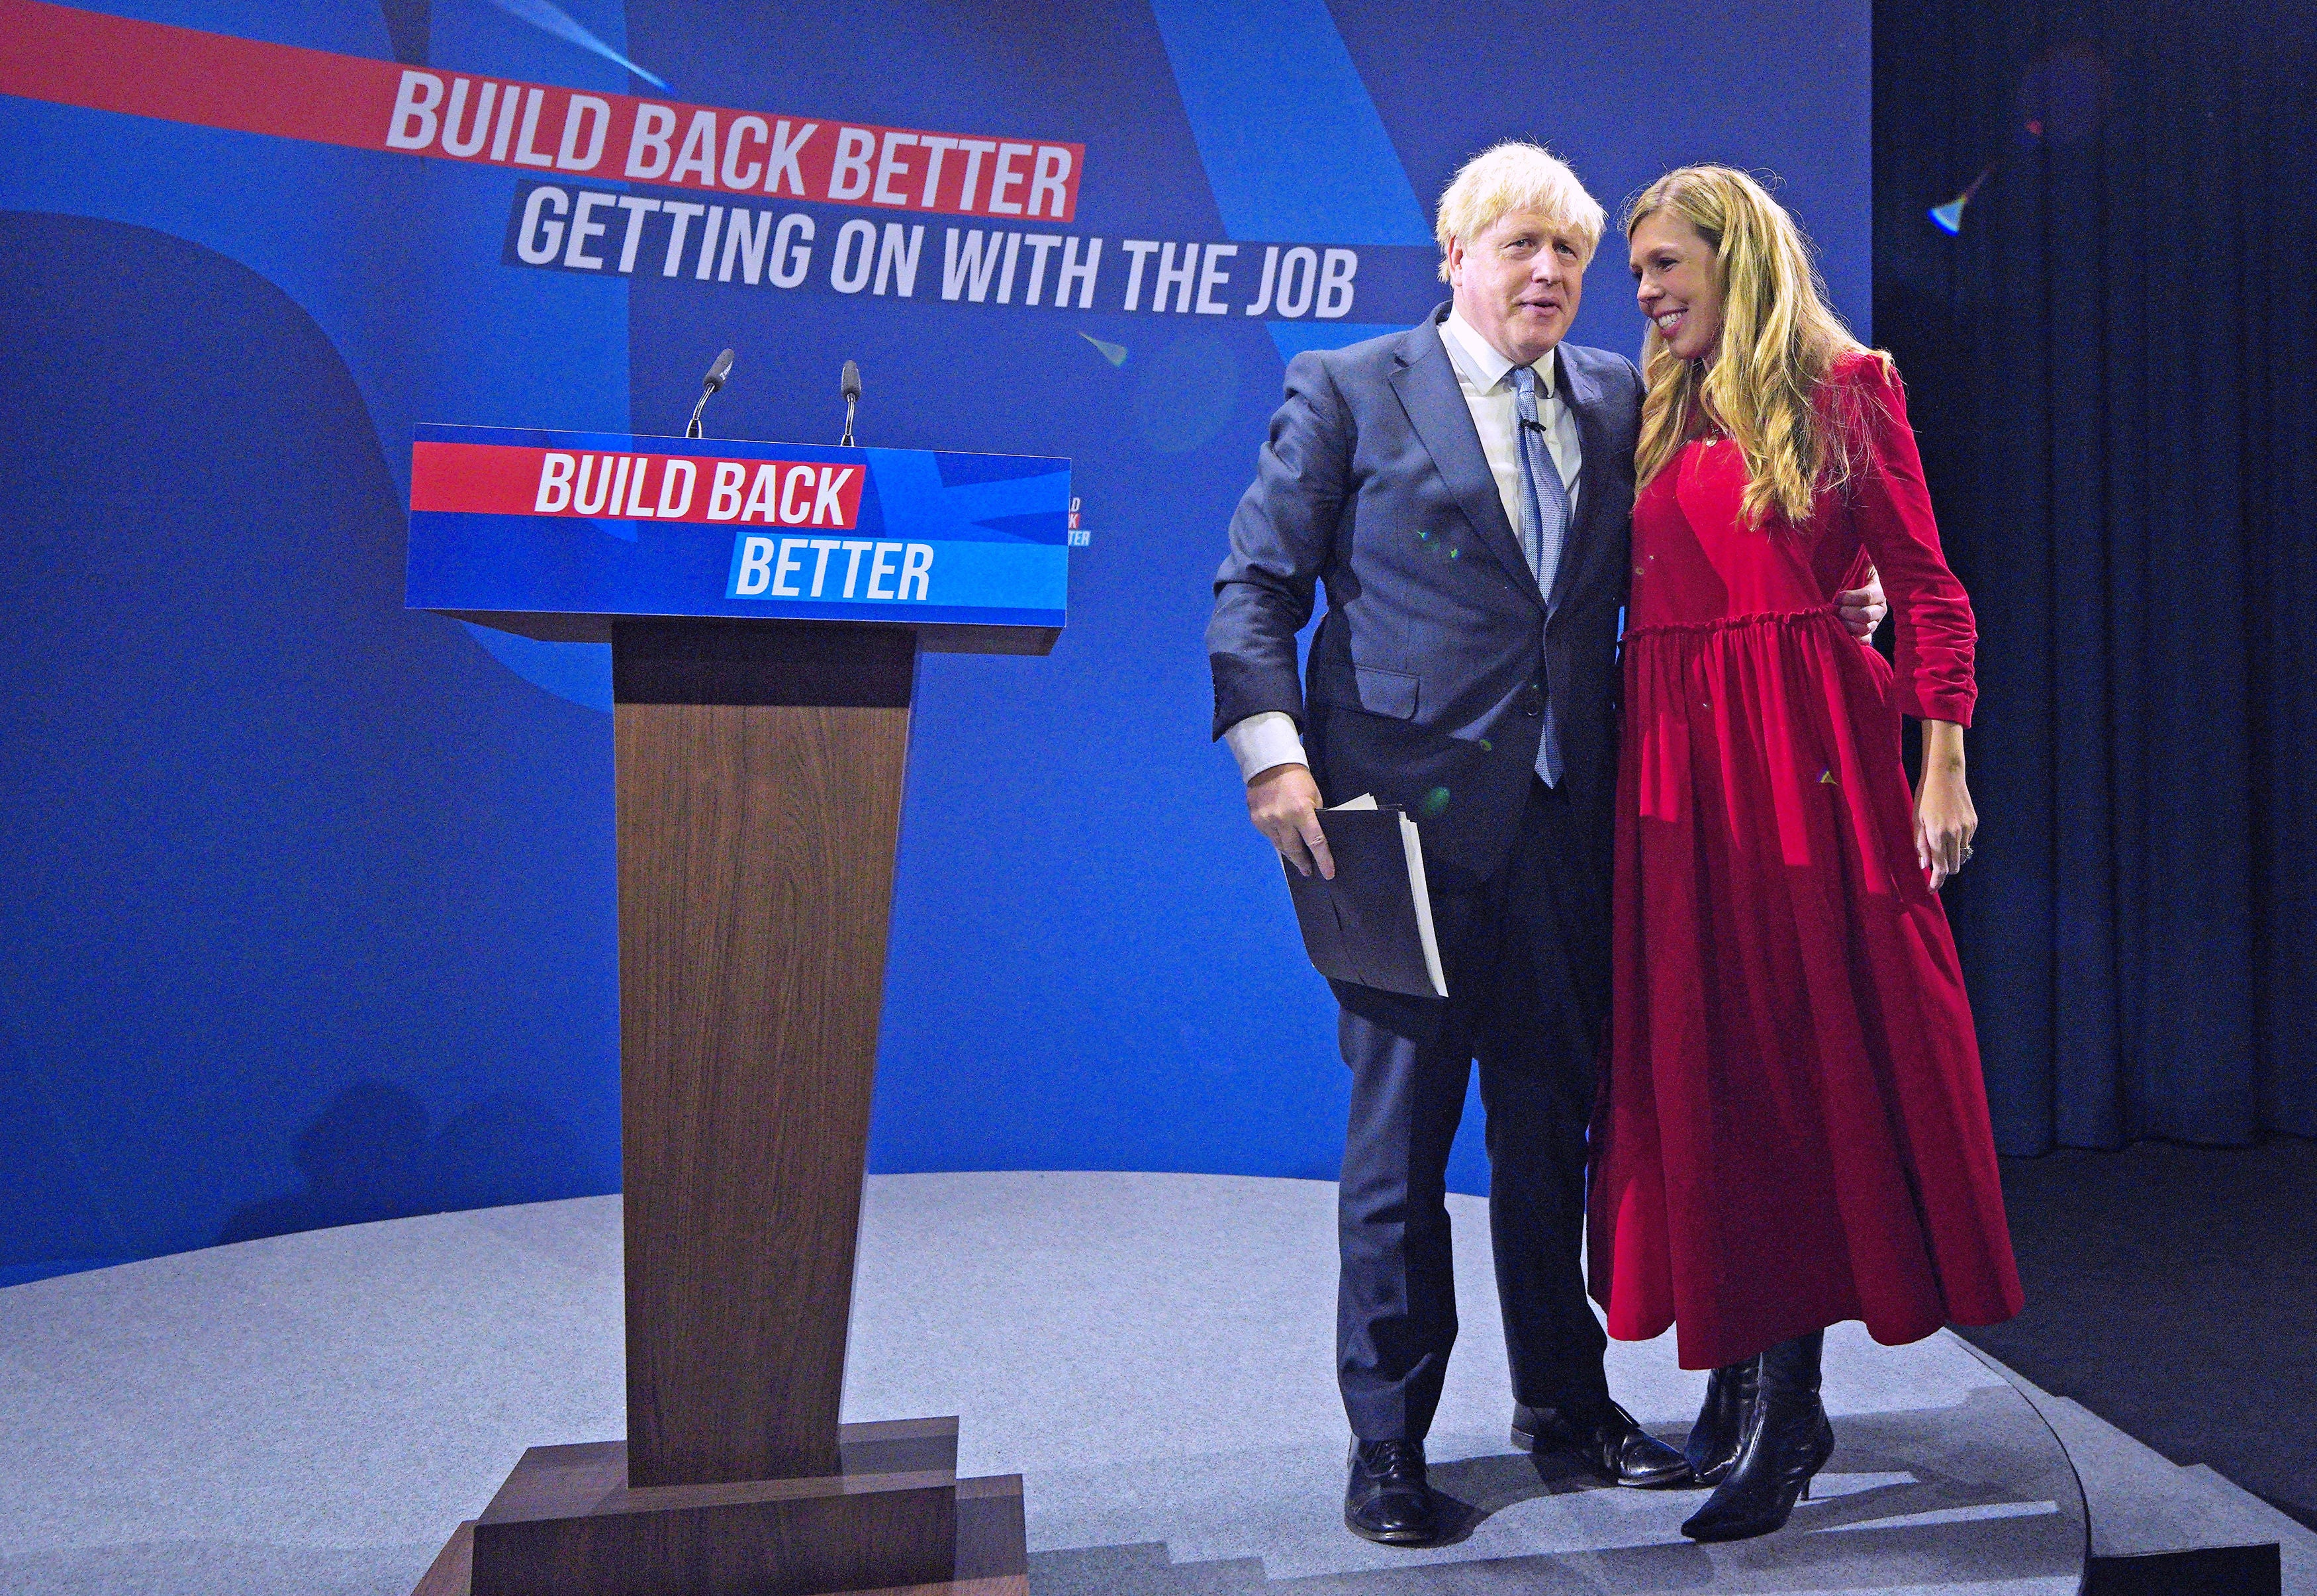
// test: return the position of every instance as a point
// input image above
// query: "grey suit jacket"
(1426, 678)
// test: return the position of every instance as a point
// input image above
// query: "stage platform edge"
(1150, 1354)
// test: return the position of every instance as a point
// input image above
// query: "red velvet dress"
(1793, 1129)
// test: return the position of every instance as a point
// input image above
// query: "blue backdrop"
(309, 900)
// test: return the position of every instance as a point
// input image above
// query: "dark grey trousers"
(1527, 959)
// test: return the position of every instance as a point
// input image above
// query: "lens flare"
(550, 18)
(1114, 353)
(1949, 216)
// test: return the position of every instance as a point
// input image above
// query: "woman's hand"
(1944, 820)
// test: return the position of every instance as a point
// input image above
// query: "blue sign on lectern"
(555, 534)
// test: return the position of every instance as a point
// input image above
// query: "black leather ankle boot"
(1787, 1439)
(1721, 1424)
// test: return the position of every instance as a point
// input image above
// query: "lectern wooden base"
(760, 771)
(896, 1522)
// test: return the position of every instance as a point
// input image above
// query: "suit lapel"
(1583, 396)
(1429, 391)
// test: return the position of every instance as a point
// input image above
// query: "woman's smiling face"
(1673, 281)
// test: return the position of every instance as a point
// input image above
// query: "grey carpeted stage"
(315, 1413)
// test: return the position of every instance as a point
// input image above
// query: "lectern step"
(992, 1549)
(897, 1520)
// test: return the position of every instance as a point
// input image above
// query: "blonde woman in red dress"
(1793, 1130)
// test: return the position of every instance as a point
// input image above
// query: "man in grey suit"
(1464, 489)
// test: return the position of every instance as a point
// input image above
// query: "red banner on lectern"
(508, 479)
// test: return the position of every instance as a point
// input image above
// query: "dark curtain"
(2110, 367)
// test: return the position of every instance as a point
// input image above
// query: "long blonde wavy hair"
(1779, 339)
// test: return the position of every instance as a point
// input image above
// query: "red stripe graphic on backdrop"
(508, 479)
(70, 56)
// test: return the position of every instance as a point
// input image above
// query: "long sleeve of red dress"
(1891, 513)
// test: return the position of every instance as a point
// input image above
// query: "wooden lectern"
(766, 606)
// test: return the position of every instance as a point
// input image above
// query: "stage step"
(2159, 1528)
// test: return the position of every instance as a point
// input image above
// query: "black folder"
(1372, 925)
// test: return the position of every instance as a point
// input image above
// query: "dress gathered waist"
(1733, 623)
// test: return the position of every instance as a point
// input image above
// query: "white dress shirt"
(1263, 740)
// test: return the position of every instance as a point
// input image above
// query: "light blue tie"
(1544, 527)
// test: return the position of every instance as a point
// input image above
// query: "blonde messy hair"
(1514, 175)
(1779, 340)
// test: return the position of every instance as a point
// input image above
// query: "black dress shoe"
(1388, 1499)
(1608, 1440)
(1721, 1424)
(1787, 1439)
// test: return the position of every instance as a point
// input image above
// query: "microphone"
(849, 385)
(718, 374)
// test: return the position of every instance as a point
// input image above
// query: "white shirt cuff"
(1263, 740)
